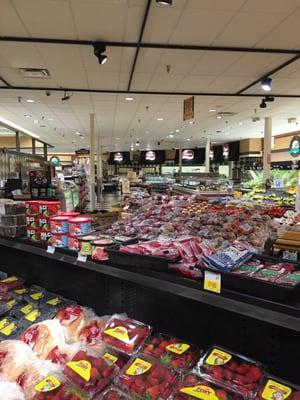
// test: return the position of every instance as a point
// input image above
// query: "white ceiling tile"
(216, 4)
(161, 23)
(10, 23)
(61, 56)
(214, 63)
(103, 80)
(168, 82)
(195, 83)
(69, 78)
(271, 6)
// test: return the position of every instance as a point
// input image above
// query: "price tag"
(51, 249)
(212, 281)
(81, 258)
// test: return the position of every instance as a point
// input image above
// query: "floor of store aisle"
(108, 200)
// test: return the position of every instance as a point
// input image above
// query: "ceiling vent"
(226, 113)
(34, 72)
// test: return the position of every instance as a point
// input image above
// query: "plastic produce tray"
(257, 287)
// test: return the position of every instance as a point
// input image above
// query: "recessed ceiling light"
(191, 122)
(164, 2)
(171, 131)
(30, 101)
(188, 139)
(27, 116)
(50, 119)
(219, 116)
(77, 133)
(117, 138)
(177, 130)
(171, 136)
(36, 121)
(129, 98)
(81, 137)
(212, 110)
(147, 132)
(240, 123)
(160, 119)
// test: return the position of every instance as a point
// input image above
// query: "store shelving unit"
(262, 329)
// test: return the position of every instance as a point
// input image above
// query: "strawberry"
(221, 394)
(153, 391)
(217, 372)
(254, 374)
(232, 365)
(243, 369)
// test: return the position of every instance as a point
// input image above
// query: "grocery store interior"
(149, 199)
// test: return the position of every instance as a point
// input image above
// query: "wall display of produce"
(254, 179)
(70, 353)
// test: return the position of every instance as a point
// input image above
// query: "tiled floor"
(108, 200)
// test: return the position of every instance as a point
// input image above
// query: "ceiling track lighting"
(66, 96)
(263, 104)
(164, 2)
(99, 49)
(269, 98)
(266, 84)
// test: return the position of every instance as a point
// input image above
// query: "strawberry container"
(114, 357)
(57, 387)
(147, 378)
(73, 243)
(45, 236)
(91, 374)
(32, 221)
(171, 351)
(193, 387)
(10, 283)
(125, 334)
(59, 240)
(232, 370)
(275, 388)
(113, 393)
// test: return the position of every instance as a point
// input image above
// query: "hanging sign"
(225, 151)
(54, 161)
(211, 154)
(118, 157)
(150, 155)
(188, 108)
(294, 149)
(188, 154)
(82, 152)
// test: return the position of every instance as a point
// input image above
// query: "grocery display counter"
(265, 330)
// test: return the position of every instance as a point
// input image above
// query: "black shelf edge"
(280, 314)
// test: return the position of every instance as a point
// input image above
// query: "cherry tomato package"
(232, 370)
(174, 352)
(56, 387)
(113, 393)
(91, 374)
(147, 378)
(125, 334)
(193, 387)
(276, 388)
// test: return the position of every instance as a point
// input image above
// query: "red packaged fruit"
(91, 374)
(125, 334)
(113, 393)
(237, 372)
(10, 283)
(171, 351)
(56, 387)
(274, 388)
(147, 378)
(193, 386)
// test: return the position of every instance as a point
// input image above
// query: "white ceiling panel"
(21, 55)
(214, 63)
(271, 6)
(10, 23)
(61, 57)
(70, 78)
(195, 83)
(231, 5)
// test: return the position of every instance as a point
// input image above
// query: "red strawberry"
(217, 372)
(228, 374)
(232, 365)
(153, 391)
(243, 369)
(254, 374)
(221, 394)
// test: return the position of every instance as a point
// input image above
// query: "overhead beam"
(149, 45)
(4, 81)
(270, 73)
(154, 93)
(137, 51)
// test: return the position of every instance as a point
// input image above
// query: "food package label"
(48, 384)
(82, 368)
(118, 332)
(178, 348)
(218, 357)
(200, 392)
(138, 367)
(275, 390)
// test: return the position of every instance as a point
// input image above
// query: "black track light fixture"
(269, 98)
(263, 104)
(164, 2)
(99, 49)
(66, 96)
(266, 84)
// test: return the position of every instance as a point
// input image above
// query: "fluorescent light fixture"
(147, 132)
(266, 84)
(164, 2)
(160, 119)
(50, 119)
(117, 138)
(171, 131)
(30, 101)
(129, 98)
(177, 130)
(212, 110)
(171, 136)
(17, 127)
(188, 139)
(191, 122)
(240, 123)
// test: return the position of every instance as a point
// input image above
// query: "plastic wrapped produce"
(232, 370)
(146, 378)
(57, 387)
(125, 334)
(174, 352)
(90, 374)
(276, 388)
(10, 390)
(73, 318)
(90, 334)
(10, 328)
(10, 283)
(193, 387)
(113, 393)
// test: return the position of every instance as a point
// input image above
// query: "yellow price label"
(212, 282)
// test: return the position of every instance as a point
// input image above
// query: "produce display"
(78, 355)
(12, 218)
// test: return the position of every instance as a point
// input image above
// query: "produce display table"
(264, 330)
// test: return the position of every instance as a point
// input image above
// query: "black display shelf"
(264, 330)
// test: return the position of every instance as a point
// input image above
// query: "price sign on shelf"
(81, 258)
(51, 249)
(212, 281)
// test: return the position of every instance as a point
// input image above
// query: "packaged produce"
(276, 388)
(57, 387)
(59, 224)
(38, 314)
(13, 302)
(59, 240)
(147, 378)
(49, 208)
(10, 283)
(12, 231)
(69, 214)
(21, 310)
(125, 334)
(232, 370)
(9, 220)
(35, 294)
(11, 391)
(90, 374)
(247, 269)
(98, 248)
(271, 273)
(86, 244)
(80, 226)
(115, 357)
(45, 236)
(193, 387)
(32, 207)
(43, 337)
(10, 328)
(73, 243)
(228, 258)
(113, 393)
(90, 334)
(44, 223)
(72, 319)
(171, 351)
(32, 221)
(291, 279)
(53, 300)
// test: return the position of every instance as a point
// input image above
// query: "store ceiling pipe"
(92, 162)
(267, 149)
(207, 151)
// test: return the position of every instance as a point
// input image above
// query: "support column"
(33, 147)
(45, 151)
(267, 149)
(180, 162)
(207, 152)
(99, 169)
(18, 141)
(92, 162)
